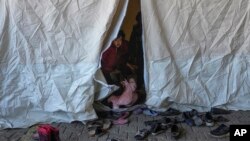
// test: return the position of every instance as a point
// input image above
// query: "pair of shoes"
(47, 132)
(221, 131)
(209, 119)
(141, 134)
(175, 131)
(170, 112)
(188, 117)
(217, 111)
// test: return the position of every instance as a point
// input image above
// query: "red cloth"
(48, 133)
(114, 57)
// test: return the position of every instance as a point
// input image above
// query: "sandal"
(120, 121)
(141, 134)
(106, 124)
(92, 131)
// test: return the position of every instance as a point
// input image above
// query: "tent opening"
(122, 61)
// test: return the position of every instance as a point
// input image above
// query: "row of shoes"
(193, 118)
(156, 127)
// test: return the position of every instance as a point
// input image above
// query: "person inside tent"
(135, 49)
(114, 60)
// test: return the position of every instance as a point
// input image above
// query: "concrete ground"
(78, 132)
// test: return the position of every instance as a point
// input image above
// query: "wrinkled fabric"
(197, 53)
(49, 56)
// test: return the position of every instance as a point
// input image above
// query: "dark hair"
(120, 34)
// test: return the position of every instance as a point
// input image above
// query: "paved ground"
(77, 131)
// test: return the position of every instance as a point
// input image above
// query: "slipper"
(95, 123)
(92, 131)
(106, 124)
(35, 136)
(120, 121)
(124, 115)
(141, 134)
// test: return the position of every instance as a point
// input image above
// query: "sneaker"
(189, 114)
(188, 117)
(209, 119)
(221, 131)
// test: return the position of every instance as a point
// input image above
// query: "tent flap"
(49, 53)
(197, 53)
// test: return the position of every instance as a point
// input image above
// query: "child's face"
(131, 80)
(118, 42)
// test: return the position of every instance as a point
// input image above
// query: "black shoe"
(189, 114)
(157, 129)
(209, 119)
(221, 131)
(188, 117)
(175, 131)
(217, 111)
(141, 134)
(221, 119)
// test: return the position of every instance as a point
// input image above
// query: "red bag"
(48, 133)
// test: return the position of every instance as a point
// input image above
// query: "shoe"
(113, 139)
(189, 114)
(175, 131)
(188, 117)
(209, 119)
(218, 111)
(221, 119)
(141, 134)
(170, 112)
(164, 122)
(221, 131)
(197, 120)
(157, 129)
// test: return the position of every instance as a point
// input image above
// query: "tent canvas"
(196, 55)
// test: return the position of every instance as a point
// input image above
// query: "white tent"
(196, 55)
